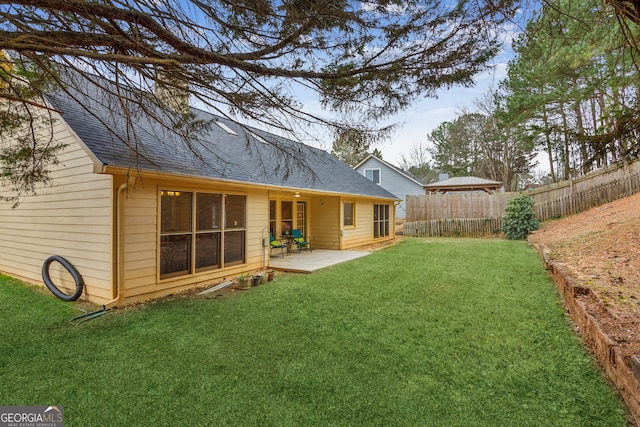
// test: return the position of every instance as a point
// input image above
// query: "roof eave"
(120, 170)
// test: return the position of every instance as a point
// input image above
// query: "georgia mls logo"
(31, 416)
(54, 410)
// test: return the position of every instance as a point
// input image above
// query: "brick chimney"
(172, 90)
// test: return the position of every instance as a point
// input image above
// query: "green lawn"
(426, 333)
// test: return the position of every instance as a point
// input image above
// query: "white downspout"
(395, 212)
(118, 287)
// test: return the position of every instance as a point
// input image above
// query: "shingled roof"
(464, 183)
(225, 150)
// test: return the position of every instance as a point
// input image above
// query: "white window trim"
(379, 174)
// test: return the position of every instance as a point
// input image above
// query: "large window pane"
(272, 217)
(235, 211)
(381, 221)
(175, 256)
(233, 247)
(207, 250)
(386, 220)
(192, 232)
(176, 211)
(286, 214)
(373, 175)
(208, 211)
(301, 217)
(348, 214)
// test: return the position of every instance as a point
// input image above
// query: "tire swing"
(71, 269)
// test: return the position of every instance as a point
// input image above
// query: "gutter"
(120, 170)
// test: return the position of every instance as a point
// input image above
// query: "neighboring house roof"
(464, 183)
(390, 166)
(240, 157)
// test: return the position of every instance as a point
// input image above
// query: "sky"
(420, 119)
(417, 121)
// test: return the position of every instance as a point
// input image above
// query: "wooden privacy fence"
(479, 214)
(580, 201)
(456, 205)
(454, 227)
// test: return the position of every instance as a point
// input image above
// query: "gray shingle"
(219, 155)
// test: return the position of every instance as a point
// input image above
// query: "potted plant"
(270, 275)
(244, 281)
(264, 276)
(286, 228)
(256, 280)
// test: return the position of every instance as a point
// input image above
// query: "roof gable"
(393, 168)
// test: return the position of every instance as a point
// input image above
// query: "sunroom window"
(195, 227)
(380, 221)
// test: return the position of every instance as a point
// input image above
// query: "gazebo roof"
(464, 183)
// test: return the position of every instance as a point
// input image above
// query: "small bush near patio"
(426, 333)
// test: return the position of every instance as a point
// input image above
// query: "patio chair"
(299, 240)
(276, 244)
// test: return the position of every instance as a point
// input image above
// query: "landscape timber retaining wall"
(625, 376)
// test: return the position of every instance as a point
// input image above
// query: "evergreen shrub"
(519, 219)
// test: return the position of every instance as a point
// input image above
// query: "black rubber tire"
(71, 269)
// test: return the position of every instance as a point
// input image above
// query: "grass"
(427, 333)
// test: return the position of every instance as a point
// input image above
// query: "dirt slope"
(601, 249)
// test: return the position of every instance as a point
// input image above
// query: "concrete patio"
(308, 262)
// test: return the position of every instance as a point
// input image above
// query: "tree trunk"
(548, 141)
(567, 148)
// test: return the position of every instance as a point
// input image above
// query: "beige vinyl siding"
(324, 212)
(71, 218)
(362, 233)
(141, 238)
(139, 228)
(257, 228)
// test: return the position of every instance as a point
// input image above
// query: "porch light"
(296, 194)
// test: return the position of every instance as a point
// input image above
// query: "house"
(463, 183)
(173, 219)
(392, 179)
